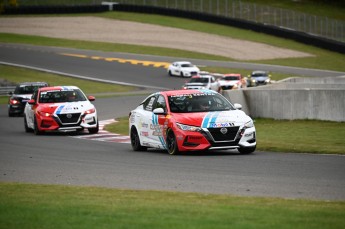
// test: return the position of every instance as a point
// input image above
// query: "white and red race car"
(231, 81)
(190, 120)
(60, 108)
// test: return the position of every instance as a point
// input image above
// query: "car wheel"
(135, 141)
(181, 74)
(94, 130)
(10, 114)
(246, 150)
(36, 130)
(170, 74)
(171, 143)
(27, 129)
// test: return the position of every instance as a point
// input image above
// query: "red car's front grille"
(229, 135)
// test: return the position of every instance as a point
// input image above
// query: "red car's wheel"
(171, 143)
(36, 129)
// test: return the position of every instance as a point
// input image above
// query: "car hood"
(260, 78)
(228, 82)
(64, 108)
(190, 69)
(213, 119)
(195, 84)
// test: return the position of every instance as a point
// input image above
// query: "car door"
(143, 120)
(214, 84)
(30, 110)
(158, 123)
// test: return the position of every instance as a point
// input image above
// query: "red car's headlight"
(44, 114)
(188, 128)
(90, 111)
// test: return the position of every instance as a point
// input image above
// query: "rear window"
(27, 89)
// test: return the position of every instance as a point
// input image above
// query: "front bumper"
(61, 124)
(209, 139)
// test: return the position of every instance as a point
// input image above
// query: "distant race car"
(22, 93)
(257, 78)
(183, 69)
(190, 120)
(231, 81)
(60, 108)
(202, 82)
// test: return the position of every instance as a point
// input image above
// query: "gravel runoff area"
(92, 28)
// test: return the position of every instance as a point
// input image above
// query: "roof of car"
(232, 74)
(186, 92)
(202, 76)
(32, 83)
(58, 88)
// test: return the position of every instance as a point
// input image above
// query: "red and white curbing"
(104, 135)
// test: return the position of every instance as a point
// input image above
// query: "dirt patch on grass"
(124, 32)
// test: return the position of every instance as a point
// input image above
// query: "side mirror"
(10, 93)
(238, 106)
(158, 111)
(91, 98)
(31, 102)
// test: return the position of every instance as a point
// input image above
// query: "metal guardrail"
(6, 90)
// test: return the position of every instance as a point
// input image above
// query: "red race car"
(60, 108)
(190, 120)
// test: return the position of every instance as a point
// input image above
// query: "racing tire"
(135, 141)
(94, 130)
(246, 150)
(170, 74)
(171, 143)
(10, 114)
(26, 127)
(182, 74)
(36, 130)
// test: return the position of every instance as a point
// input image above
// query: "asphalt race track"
(65, 159)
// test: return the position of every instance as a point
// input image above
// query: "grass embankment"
(55, 206)
(321, 59)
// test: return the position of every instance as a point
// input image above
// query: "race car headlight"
(44, 114)
(267, 80)
(249, 124)
(90, 111)
(188, 128)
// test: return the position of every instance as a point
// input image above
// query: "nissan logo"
(223, 130)
(69, 115)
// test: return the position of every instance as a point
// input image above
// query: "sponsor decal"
(144, 125)
(224, 124)
(144, 133)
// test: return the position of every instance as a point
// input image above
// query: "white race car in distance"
(183, 69)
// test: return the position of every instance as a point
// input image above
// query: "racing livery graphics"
(60, 108)
(192, 120)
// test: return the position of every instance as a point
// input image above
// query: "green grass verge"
(298, 136)
(18, 75)
(56, 206)
(322, 59)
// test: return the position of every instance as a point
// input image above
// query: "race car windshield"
(62, 96)
(230, 78)
(259, 74)
(27, 89)
(187, 65)
(190, 103)
(199, 80)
